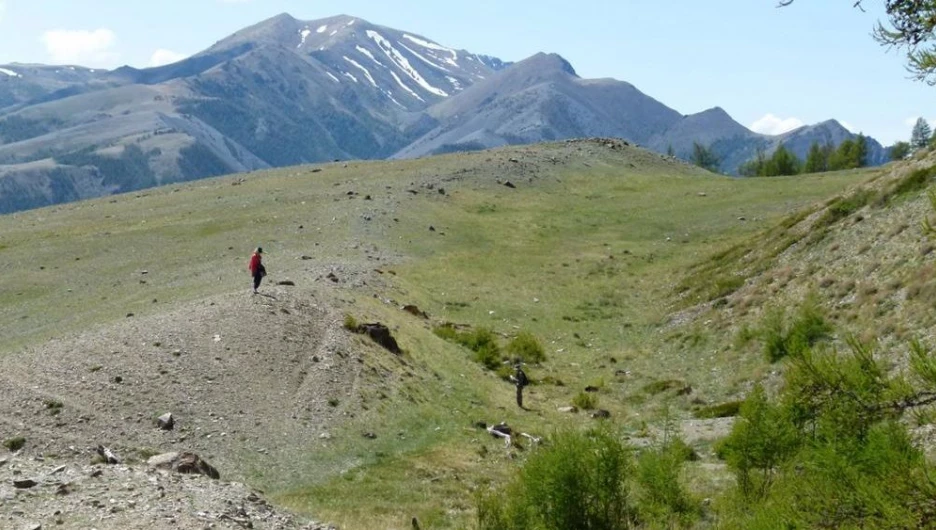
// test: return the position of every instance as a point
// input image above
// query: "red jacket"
(254, 263)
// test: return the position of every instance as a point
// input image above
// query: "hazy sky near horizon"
(771, 69)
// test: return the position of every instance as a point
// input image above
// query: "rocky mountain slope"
(287, 91)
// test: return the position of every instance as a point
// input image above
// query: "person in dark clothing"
(257, 270)
(520, 380)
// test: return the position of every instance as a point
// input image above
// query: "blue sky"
(771, 67)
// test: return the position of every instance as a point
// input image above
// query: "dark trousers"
(520, 396)
(257, 277)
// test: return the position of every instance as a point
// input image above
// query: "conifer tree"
(783, 162)
(920, 136)
(817, 160)
(899, 151)
(704, 157)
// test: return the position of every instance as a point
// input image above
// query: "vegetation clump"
(14, 444)
(526, 348)
(914, 181)
(658, 387)
(842, 207)
(585, 401)
(850, 154)
(54, 406)
(591, 480)
(481, 341)
(487, 352)
(783, 337)
(830, 450)
(728, 409)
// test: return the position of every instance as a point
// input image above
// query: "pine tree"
(920, 136)
(755, 166)
(861, 151)
(851, 154)
(783, 162)
(899, 151)
(704, 157)
(817, 160)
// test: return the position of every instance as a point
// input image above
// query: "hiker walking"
(257, 270)
(519, 379)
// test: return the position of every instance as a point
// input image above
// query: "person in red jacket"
(257, 270)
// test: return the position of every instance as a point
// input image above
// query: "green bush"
(489, 356)
(664, 500)
(831, 450)
(763, 437)
(658, 387)
(580, 481)
(526, 348)
(912, 182)
(350, 323)
(782, 338)
(842, 207)
(481, 341)
(446, 332)
(729, 409)
(585, 401)
(14, 444)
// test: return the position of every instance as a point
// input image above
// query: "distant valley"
(286, 92)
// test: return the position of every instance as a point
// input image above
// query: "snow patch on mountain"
(349, 76)
(453, 60)
(393, 99)
(403, 63)
(455, 83)
(322, 29)
(304, 34)
(331, 75)
(10, 73)
(423, 59)
(408, 89)
(367, 52)
(367, 73)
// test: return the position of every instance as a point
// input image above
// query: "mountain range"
(286, 91)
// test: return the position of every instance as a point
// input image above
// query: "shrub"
(488, 355)
(782, 338)
(351, 323)
(14, 444)
(446, 332)
(842, 207)
(481, 341)
(914, 181)
(579, 481)
(526, 348)
(664, 500)
(728, 409)
(831, 451)
(658, 387)
(762, 438)
(585, 401)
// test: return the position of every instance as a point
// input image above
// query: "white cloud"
(163, 57)
(90, 48)
(771, 124)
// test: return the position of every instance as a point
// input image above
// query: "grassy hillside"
(609, 255)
